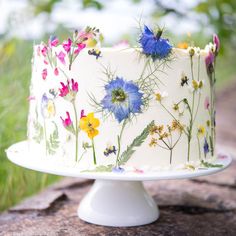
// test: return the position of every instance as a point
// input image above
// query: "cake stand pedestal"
(118, 203)
(115, 199)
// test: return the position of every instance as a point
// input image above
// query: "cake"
(147, 108)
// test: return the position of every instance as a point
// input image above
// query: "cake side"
(166, 112)
(115, 108)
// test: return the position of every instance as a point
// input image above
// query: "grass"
(15, 71)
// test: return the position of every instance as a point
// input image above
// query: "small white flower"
(210, 47)
(197, 50)
(160, 96)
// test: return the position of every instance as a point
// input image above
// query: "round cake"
(147, 108)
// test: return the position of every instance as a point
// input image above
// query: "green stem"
(94, 153)
(119, 137)
(199, 148)
(76, 132)
(171, 152)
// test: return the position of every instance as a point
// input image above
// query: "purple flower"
(209, 61)
(154, 45)
(205, 147)
(216, 41)
(118, 170)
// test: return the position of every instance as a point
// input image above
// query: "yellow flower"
(201, 130)
(158, 97)
(183, 45)
(51, 109)
(153, 142)
(89, 124)
(195, 84)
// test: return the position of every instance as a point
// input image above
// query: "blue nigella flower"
(122, 98)
(205, 147)
(154, 45)
(118, 170)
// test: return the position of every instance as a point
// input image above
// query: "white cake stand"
(115, 199)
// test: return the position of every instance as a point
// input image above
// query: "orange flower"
(89, 124)
(183, 45)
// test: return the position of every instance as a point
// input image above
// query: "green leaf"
(210, 165)
(125, 156)
(100, 169)
(53, 142)
(38, 128)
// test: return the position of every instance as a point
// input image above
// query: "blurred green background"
(51, 17)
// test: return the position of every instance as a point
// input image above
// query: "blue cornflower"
(205, 147)
(154, 45)
(122, 98)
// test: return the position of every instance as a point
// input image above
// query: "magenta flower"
(74, 86)
(69, 90)
(206, 103)
(64, 90)
(216, 41)
(44, 51)
(56, 71)
(82, 114)
(80, 47)
(61, 57)
(209, 61)
(67, 45)
(67, 122)
(53, 41)
(44, 74)
(45, 62)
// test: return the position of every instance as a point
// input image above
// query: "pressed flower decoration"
(210, 61)
(123, 99)
(89, 124)
(68, 92)
(154, 45)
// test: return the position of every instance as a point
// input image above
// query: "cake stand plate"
(115, 199)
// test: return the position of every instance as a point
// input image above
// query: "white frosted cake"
(122, 109)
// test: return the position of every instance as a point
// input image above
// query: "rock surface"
(201, 206)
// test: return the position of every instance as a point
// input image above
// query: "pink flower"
(74, 86)
(53, 41)
(30, 98)
(44, 74)
(209, 60)
(61, 57)
(216, 41)
(56, 71)
(67, 121)
(64, 90)
(67, 45)
(85, 35)
(80, 47)
(45, 62)
(69, 91)
(82, 114)
(206, 103)
(44, 51)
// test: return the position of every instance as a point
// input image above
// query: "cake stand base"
(118, 203)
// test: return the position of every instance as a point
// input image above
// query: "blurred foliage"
(220, 14)
(15, 71)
